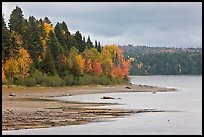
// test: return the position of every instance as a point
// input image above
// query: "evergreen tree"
(16, 42)
(41, 29)
(65, 28)
(99, 47)
(53, 46)
(16, 20)
(84, 40)
(47, 65)
(6, 41)
(89, 43)
(96, 45)
(79, 41)
(32, 40)
(46, 20)
(60, 35)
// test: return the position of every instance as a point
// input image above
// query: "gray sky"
(138, 23)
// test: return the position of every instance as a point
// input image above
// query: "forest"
(181, 63)
(37, 53)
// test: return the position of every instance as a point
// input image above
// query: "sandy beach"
(24, 107)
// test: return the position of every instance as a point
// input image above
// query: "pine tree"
(99, 47)
(79, 41)
(60, 35)
(89, 43)
(46, 20)
(47, 65)
(54, 46)
(96, 45)
(32, 40)
(16, 20)
(6, 41)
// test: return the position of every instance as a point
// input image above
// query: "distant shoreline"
(24, 107)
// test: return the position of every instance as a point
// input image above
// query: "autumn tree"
(78, 66)
(75, 62)
(3, 72)
(24, 62)
(11, 68)
(90, 56)
(97, 69)
(18, 66)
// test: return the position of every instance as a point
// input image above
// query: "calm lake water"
(183, 116)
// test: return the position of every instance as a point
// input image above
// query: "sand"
(24, 107)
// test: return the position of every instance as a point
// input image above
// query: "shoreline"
(31, 107)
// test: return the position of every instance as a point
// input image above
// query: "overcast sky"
(139, 23)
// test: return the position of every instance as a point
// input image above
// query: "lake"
(183, 110)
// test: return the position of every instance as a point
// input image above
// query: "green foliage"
(29, 82)
(16, 20)
(89, 79)
(6, 42)
(80, 44)
(47, 65)
(70, 80)
(37, 76)
(32, 42)
(52, 81)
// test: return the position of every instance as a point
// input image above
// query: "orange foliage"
(97, 70)
(117, 73)
(121, 67)
(3, 73)
(87, 65)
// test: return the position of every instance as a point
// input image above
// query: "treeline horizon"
(35, 52)
(182, 63)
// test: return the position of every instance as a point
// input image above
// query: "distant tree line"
(182, 63)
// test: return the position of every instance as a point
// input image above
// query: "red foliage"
(97, 70)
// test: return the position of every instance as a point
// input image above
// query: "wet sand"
(24, 107)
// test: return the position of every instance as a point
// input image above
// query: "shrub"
(69, 80)
(52, 81)
(4, 82)
(38, 76)
(29, 82)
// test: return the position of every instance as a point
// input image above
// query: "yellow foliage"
(43, 41)
(19, 66)
(47, 28)
(11, 68)
(79, 64)
(112, 48)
